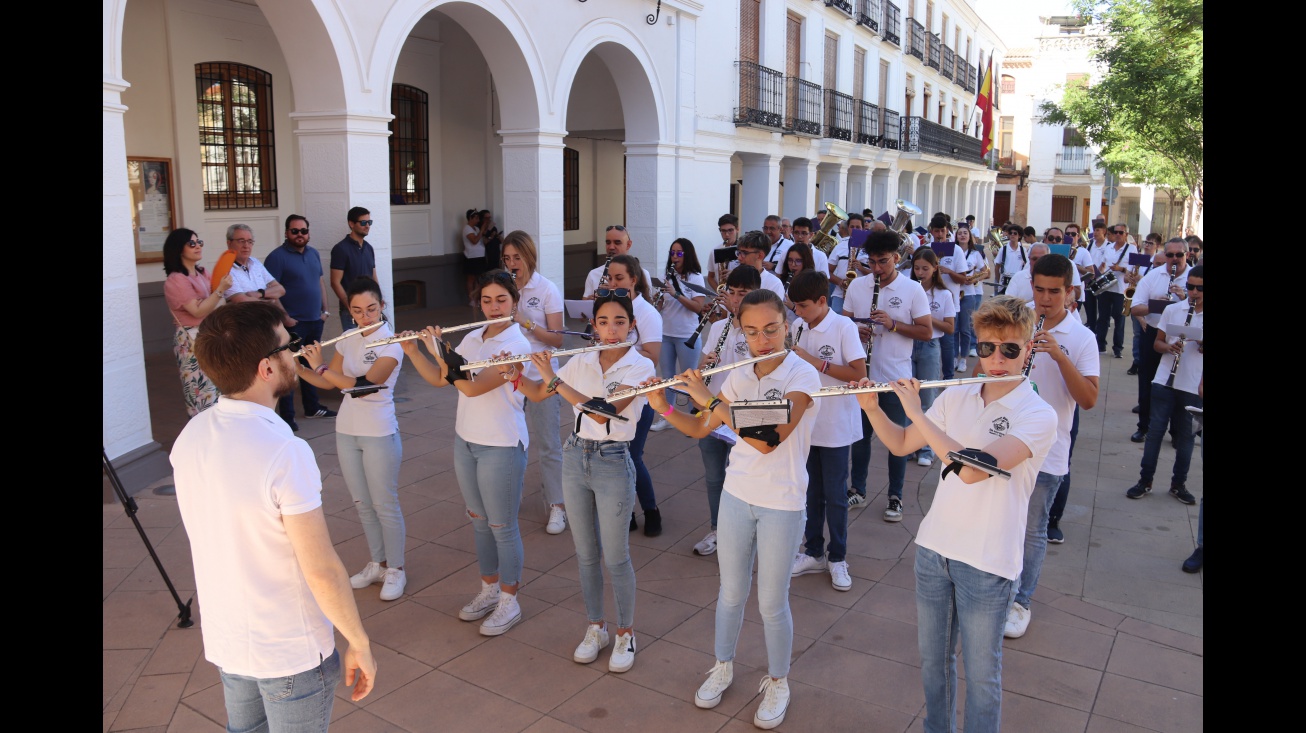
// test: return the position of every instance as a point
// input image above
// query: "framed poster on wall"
(153, 207)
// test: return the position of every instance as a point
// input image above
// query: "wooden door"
(1001, 207)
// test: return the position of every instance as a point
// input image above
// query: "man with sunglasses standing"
(1162, 283)
(350, 258)
(1111, 301)
(616, 241)
(298, 267)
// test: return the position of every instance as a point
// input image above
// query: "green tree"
(1144, 113)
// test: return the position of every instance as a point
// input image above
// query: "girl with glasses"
(680, 313)
(367, 434)
(187, 291)
(798, 258)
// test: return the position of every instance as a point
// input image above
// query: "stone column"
(1146, 197)
(799, 188)
(761, 189)
(650, 201)
(833, 178)
(859, 189)
(1094, 207)
(532, 193)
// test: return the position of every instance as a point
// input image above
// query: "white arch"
(111, 48)
(632, 67)
(319, 50)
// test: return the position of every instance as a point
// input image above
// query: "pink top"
(178, 289)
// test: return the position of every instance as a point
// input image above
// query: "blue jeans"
(1168, 407)
(674, 351)
(490, 478)
(836, 304)
(370, 466)
(600, 490)
(947, 347)
(1063, 491)
(925, 364)
(643, 481)
(749, 532)
(310, 331)
(542, 422)
(1036, 534)
(300, 702)
(1111, 307)
(827, 501)
(966, 340)
(716, 456)
(346, 320)
(861, 452)
(954, 599)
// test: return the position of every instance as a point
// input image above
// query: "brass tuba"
(902, 220)
(821, 238)
(995, 241)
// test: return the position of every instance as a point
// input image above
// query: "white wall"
(466, 159)
(414, 227)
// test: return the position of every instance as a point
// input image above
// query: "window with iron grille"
(1063, 208)
(1008, 84)
(237, 150)
(409, 156)
(570, 189)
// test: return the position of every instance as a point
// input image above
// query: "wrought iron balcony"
(922, 136)
(869, 14)
(802, 107)
(972, 71)
(1075, 160)
(892, 19)
(892, 130)
(761, 96)
(949, 63)
(838, 115)
(868, 123)
(844, 5)
(959, 76)
(915, 39)
(933, 53)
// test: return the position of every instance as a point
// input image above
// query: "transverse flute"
(519, 358)
(451, 329)
(345, 335)
(931, 384)
(673, 381)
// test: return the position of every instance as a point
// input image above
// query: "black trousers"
(1111, 307)
(1147, 366)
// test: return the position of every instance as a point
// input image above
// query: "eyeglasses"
(612, 293)
(243, 241)
(618, 227)
(741, 253)
(195, 243)
(362, 223)
(293, 345)
(770, 331)
(985, 349)
(1198, 288)
(677, 255)
(1173, 255)
(298, 231)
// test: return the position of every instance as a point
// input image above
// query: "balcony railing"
(892, 19)
(932, 57)
(868, 123)
(802, 107)
(892, 130)
(959, 77)
(949, 63)
(761, 96)
(870, 13)
(915, 39)
(1075, 160)
(844, 5)
(922, 136)
(838, 115)
(971, 72)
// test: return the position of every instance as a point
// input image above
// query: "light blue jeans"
(676, 357)
(926, 363)
(955, 600)
(716, 456)
(490, 477)
(370, 466)
(771, 536)
(966, 340)
(599, 487)
(1036, 534)
(300, 703)
(542, 421)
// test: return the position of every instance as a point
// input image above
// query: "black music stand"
(129, 506)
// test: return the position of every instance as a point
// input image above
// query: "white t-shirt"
(1079, 344)
(540, 298)
(983, 524)
(773, 283)
(648, 322)
(583, 373)
(495, 418)
(1083, 258)
(942, 306)
(371, 415)
(592, 279)
(821, 261)
(904, 301)
(472, 251)
(677, 320)
(1012, 260)
(1155, 285)
(975, 262)
(838, 260)
(248, 277)
(775, 480)
(1189, 373)
(1021, 287)
(1108, 257)
(957, 263)
(238, 470)
(835, 340)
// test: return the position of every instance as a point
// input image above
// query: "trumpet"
(555, 353)
(345, 335)
(931, 384)
(451, 329)
(673, 381)
(821, 238)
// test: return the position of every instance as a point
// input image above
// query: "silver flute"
(673, 381)
(519, 358)
(931, 384)
(345, 335)
(451, 329)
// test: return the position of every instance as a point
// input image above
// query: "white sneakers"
(775, 701)
(557, 519)
(707, 545)
(371, 573)
(392, 588)
(924, 459)
(659, 424)
(804, 564)
(484, 602)
(960, 365)
(623, 653)
(596, 639)
(839, 576)
(505, 616)
(1017, 621)
(718, 679)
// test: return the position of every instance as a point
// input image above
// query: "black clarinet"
(707, 316)
(1174, 368)
(870, 340)
(721, 342)
(1029, 361)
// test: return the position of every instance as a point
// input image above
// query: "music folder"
(943, 249)
(1156, 306)
(583, 309)
(1140, 260)
(1059, 249)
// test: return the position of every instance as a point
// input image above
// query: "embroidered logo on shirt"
(612, 386)
(1000, 427)
(934, 305)
(895, 302)
(741, 349)
(774, 394)
(533, 302)
(369, 357)
(826, 352)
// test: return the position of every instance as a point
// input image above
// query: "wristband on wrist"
(670, 409)
(321, 369)
(895, 328)
(553, 385)
(825, 367)
(712, 405)
(516, 383)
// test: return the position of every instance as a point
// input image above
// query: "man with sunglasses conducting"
(1156, 285)
(351, 257)
(616, 241)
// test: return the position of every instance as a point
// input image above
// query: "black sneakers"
(1180, 492)
(652, 523)
(1138, 490)
(1194, 561)
(1138, 436)
(1055, 535)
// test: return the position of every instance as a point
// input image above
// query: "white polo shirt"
(584, 374)
(773, 283)
(371, 415)
(539, 299)
(1021, 287)
(1012, 260)
(775, 480)
(983, 524)
(1083, 258)
(1156, 285)
(1108, 257)
(248, 277)
(975, 262)
(592, 279)
(904, 301)
(734, 349)
(942, 306)
(496, 417)
(835, 340)
(838, 259)
(1080, 345)
(957, 263)
(776, 255)
(239, 470)
(1189, 374)
(677, 320)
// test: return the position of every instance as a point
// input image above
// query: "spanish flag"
(984, 102)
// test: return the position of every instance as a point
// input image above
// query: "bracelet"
(670, 409)
(516, 383)
(712, 405)
(825, 367)
(895, 328)
(321, 369)
(553, 385)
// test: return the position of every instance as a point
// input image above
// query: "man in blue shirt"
(351, 257)
(298, 267)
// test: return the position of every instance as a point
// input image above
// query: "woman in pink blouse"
(189, 301)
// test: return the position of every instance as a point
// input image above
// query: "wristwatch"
(261, 293)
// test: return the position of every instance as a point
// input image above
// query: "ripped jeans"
(490, 478)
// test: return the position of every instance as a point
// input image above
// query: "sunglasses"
(195, 243)
(292, 230)
(1194, 250)
(612, 293)
(292, 345)
(1173, 255)
(1054, 240)
(361, 223)
(985, 349)
(677, 255)
(1118, 231)
(618, 227)
(1198, 288)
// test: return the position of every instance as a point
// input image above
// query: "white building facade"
(560, 116)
